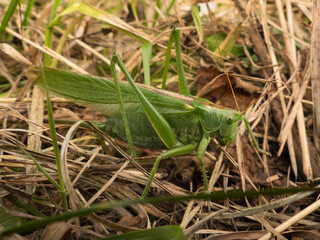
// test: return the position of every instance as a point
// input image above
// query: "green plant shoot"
(156, 118)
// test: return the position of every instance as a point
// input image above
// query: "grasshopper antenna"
(264, 94)
(255, 100)
(224, 66)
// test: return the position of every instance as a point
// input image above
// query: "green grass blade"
(216, 196)
(27, 13)
(7, 16)
(49, 33)
(146, 58)
(228, 43)
(183, 86)
(103, 16)
(41, 169)
(55, 144)
(171, 5)
(156, 14)
(63, 38)
(134, 10)
(7, 220)
(123, 113)
(27, 207)
(197, 20)
(167, 62)
(159, 233)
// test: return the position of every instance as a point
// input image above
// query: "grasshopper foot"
(264, 152)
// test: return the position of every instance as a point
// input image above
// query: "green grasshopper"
(156, 118)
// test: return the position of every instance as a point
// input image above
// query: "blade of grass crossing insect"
(123, 113)
(7, 16)
(197, 20)
(216, 196)
(47, 61)
(55, 144)
(167, 62)
(183, 86)
(146, 58)
(158, 122)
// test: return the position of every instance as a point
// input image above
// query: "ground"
(269, 73)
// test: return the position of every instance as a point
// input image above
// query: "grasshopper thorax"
(218, 122)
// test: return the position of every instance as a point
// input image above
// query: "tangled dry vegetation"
(266, 47)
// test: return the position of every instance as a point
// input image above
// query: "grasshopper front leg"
(124, 115)
(255, 143)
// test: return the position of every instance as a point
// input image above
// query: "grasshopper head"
(217, 121)
(228, 128)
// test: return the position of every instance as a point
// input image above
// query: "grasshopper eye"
(230, 118)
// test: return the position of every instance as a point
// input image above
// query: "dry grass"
(271, 56)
